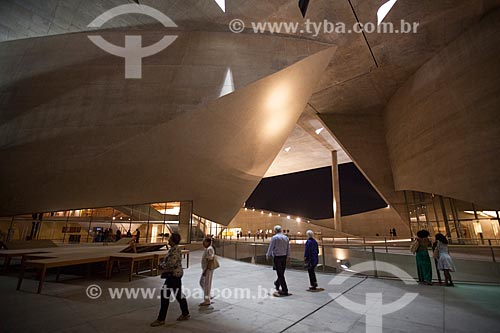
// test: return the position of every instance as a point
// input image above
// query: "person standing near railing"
(208, 265)
(421, 249)
(311, 253)
(279, 249)
(445, 263)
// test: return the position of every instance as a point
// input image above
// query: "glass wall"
(201, 227)
(460, 221)
(149, 223)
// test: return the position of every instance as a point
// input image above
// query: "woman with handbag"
(172, 273)
(311, 259)
(208, 264)
(445, 263)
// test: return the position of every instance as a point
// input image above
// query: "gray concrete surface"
(64, 306)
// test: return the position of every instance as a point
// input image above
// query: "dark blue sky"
(309, 193)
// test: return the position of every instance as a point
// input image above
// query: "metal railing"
(475, 263)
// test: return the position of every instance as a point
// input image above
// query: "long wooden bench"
(44, 264)
(132, 259)
(43, 259)
(19, 248)
(7, 255)
(32, 244)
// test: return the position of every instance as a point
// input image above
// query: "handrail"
(372, 246)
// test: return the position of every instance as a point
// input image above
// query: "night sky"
(309, 193)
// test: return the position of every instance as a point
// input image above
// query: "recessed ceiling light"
(287, 149)
(319, 130)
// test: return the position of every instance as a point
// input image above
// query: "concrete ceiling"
(305, 149)
(214, 154)
(360, 79)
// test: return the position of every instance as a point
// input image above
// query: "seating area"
(23, 245)
(111, 256)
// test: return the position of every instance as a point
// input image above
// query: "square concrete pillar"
(185, 221)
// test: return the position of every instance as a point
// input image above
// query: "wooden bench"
(131, 258)
(32, 244)
(7, 255)
(43, 259)
(43, 264)
(142, 247)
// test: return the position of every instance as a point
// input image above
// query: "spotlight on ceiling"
(303, 4)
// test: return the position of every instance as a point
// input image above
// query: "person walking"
(311, 259)
(424, 267)
(445, 263)
(137, 235)
(172, 273)
(279, 249)
(118, 235)
(207, 266)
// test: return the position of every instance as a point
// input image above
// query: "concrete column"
(336, 192)
(185, 215)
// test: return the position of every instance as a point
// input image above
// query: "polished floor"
(65, 307)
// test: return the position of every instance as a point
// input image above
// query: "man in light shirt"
(279, 249)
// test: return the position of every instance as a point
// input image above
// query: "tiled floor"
(65, 307)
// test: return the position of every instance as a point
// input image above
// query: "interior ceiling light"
(303, 4)
(228, 85)
(319, 130)
(384, 10)
(287, 149)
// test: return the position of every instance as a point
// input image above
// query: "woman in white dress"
(445, 263)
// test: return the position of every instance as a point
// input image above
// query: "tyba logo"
(374, 309)
(133, 52)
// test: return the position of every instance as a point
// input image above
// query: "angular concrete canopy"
(352, 94)
(214, 154)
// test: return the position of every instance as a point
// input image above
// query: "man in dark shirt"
(311, 258)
